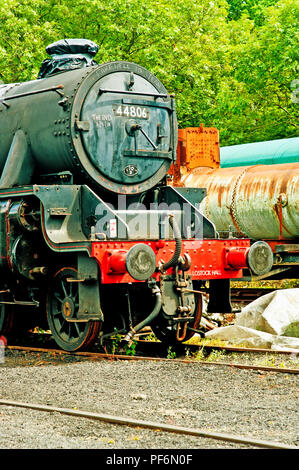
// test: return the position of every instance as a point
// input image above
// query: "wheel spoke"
(61, 324)
(64, 289)
(76, 325)
(57, 313)
(57, 297)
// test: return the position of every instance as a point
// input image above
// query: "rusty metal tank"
(260, 202)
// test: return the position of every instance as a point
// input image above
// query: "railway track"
(249, 294)
(119, 420)
(155, 355)
(124, 421)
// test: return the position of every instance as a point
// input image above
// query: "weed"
(151, 337)
(115, 344)
(171, 354)
(130, 349)
(206, 341)
(200, 355)
(215, 356)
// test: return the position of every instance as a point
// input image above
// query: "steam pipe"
(149, 318)
(178, 247)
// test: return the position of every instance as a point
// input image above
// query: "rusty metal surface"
(157, 426)
(197, 147)
(260, 202)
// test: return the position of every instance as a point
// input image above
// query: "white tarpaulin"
(276, 313)
(251, 338)
(271, 321)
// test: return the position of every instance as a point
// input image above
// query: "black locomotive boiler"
(93, 237)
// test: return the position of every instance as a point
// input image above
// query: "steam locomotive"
(94, 239)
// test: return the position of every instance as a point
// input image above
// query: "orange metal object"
(197, 147)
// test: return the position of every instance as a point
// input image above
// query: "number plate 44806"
(131, 111)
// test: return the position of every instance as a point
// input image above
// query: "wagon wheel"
(169, 334)
(7, 318)
(62, 304)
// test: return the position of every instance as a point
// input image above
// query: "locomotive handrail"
(138, 93)
(148, 153)
(139, 102)
(35, 92)
(159, 104)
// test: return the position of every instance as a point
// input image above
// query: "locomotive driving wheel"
(178, 332)
(62, 307)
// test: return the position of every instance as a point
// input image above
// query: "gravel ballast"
(219, 399)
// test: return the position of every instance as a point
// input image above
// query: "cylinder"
(259, 202)
(260, 153)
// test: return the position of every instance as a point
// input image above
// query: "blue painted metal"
(260, 153)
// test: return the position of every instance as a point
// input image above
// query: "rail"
(150, 425)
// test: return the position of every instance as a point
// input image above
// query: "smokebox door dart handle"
(148, 138)
(132, 127)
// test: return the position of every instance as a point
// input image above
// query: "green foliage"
(170, 353)
(266, 66)
(230, 63)
(130, 349)
(254, 9)
(117, 346)
(23, 34)
(113, 345)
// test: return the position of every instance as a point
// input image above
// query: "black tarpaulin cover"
(68, 54)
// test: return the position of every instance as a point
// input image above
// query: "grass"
(258, 359)
(272, 284)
